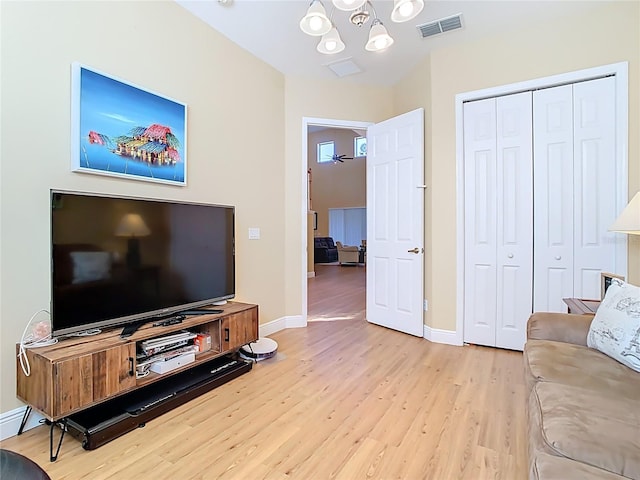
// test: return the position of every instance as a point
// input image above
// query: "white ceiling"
(270, 30)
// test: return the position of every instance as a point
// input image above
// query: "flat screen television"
(123, 260)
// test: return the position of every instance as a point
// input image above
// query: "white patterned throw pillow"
(615, 330)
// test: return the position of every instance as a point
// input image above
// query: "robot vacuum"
(260, 350)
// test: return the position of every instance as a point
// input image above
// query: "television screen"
(117, 260)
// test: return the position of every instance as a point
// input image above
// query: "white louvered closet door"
(575, 191)
(498, 213)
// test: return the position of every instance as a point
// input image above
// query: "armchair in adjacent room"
(348, 254)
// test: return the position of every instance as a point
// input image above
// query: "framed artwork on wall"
(605, 282)
(122, 130)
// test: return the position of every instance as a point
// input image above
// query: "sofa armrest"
(559, 327)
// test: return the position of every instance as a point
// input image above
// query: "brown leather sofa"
(583, 406)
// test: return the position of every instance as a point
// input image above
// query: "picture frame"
(122, 130)
(605, 281)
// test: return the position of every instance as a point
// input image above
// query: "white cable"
(29, 341)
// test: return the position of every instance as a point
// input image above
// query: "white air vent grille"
(344, 67)
(440, 26)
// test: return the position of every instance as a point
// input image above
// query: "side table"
(581, 306)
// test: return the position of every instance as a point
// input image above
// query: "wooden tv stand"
(79, 373)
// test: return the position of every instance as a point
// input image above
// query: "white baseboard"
(273, 326)
(293, 321)
(10, 422)
(437, 335)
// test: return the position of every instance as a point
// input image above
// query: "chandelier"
(317, 24)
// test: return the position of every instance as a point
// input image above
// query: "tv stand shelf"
(82, 372)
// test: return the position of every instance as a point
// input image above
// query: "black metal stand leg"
(25, 417)
(63, 425)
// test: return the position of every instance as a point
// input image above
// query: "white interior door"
(395, 223)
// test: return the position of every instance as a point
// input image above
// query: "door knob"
(510, 255)
(414, 250)
(558, 257)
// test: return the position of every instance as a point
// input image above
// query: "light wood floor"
(343, 399)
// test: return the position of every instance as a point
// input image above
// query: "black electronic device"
(104, 422)
(173, 320)
(201, 311)
(124, 260)
(130, 328)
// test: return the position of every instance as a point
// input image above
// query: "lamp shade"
(331, 43)
(379, 39)
(315, 22)
(629, 219)
(132, 225)
(405, 10)
(348, 5)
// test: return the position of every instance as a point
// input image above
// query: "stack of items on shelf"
(166, 353)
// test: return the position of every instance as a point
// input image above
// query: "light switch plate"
(254, 233)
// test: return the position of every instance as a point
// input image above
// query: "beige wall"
(228, 92)
(604, 35)
(336, 185)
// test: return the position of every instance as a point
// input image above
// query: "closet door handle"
(510, 255)
(558, 257)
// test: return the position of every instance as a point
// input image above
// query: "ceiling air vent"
(440, 26)
(344, 67)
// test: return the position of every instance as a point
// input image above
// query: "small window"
(326, 150)
(360, 147)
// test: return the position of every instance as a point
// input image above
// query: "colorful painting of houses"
(154, 144)
(123, 130)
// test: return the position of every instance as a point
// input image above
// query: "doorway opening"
(342, 162)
